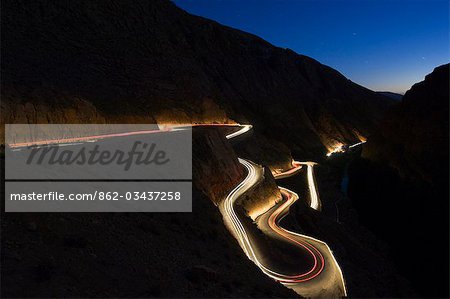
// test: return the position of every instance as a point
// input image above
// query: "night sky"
(383, 45)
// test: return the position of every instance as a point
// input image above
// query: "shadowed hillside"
(137, 255)
(400, 187)
(80, 61)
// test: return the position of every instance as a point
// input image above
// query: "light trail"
(244, 129)
(296, 167)
(328, 249)
(356, 144)
(70, 141)
(315, 204)
(273, 222)
(334, 277)
(252, 178)
(73, 140)
(315, 283)
(313, 192)
(341, 148)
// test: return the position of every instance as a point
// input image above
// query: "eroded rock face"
(265, 151)
(215, 167)
(262, 197)
(156, 62)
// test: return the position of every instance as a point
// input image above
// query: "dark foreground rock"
(128, 255)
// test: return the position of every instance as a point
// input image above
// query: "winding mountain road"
(324, 278)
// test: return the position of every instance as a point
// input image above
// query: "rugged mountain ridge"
(157, 62)
(392, 95)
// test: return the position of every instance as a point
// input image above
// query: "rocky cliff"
(400, 186)
(212, 154)
(414, 136)
(151, 61)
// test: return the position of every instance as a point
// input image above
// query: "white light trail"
(244, 129)
(313, 192)
(341, 148)
(356, 144)
(251, 179)
(296, 167)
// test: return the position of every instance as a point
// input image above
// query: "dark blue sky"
(383, 45)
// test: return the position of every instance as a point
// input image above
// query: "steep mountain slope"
(119, 255)
(400, 187)
(137, 255)
(414, 136)
(160, 64)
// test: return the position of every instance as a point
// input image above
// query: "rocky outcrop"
(216, 171)
(215, 167)
(61, 110)
(152, 60)
(262, 197)
(262, 150)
